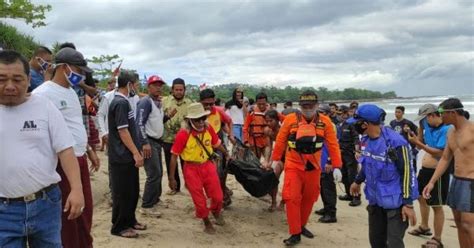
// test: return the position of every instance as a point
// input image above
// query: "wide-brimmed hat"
(196, 111)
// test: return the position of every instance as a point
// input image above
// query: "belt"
(159, 141)
(30, 197)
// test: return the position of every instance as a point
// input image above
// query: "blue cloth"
(37, 79)
(389, 181)
(368, 112)
(237, 130)
(38, 221)
(435, 137)
(324, 157)
(461, 195)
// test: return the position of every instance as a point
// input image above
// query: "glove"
(337, 175)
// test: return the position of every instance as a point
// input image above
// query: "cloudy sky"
(413, 47)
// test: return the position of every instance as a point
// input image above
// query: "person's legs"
(167, 151)
(351, 175)
(212, 187)
(345, 178)
(152, 165)
(44, 217)
(424, 212)
(310, 194)
(125, 196)
(13, 226)
(438, 221)
(377, 226)
(463, 235)
(396, 228)
(194, 184)
(292, 194)
(328, 196)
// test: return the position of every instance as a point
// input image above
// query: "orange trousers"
(300, 192)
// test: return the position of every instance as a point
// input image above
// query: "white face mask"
(308, 113)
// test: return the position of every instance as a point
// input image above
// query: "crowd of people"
(54, 121)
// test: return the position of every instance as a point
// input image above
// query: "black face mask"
(358, 127)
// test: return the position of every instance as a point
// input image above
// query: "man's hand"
(409, 213)
(328, 168)
(427, 190)
(105, 138)
(172, 184)
(95, 161)
(172, 113)
(74, 203)
(277, 167)
(412, 138)
(355, 189)
(138, 160)
(146, 151)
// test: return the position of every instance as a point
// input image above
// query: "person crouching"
(195, 144)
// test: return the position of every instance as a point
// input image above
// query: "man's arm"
(91, 91)
(282, 139)
(143, 112)
(70, 166)
(431, 150)
(332, 145)
(103, 110)
(407, 173)
(445, 160)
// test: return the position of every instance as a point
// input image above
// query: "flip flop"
(140, 227)
(128, 233)
(420, 231)
(433, 243)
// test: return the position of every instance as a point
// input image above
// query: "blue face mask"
(43, 64)
(74, 78)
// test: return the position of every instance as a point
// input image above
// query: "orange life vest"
(306, 138)
(258, 123)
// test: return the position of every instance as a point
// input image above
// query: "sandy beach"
(248, 224)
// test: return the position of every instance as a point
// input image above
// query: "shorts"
(461, 194)
(439, 194)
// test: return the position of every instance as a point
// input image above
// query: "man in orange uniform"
(255, 123)
(301, 138)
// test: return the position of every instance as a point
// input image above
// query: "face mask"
(73, 78)
(43, 64)
(358, 127)
(131, 92)
(308, 113)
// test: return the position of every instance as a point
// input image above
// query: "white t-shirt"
(31, 135)
(67, 101)
(236, 114)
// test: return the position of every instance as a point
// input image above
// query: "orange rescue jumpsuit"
(301, 187)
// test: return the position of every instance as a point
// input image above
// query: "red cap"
(155, 79)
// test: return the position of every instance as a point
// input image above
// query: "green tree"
(104, 65)
(10, 38)
(33, 14)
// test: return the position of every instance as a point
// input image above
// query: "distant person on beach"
(30, 198)
(195, 144)
(149, 120)
(237, 111)
(253, 135)
(328, 177)
(41, 67)
(334, 113)
(349, 144)
(124, 160)
(175, 106)
(390, 183)
(460, 145)
(354, 105)
(432, 139)
(405, 127)
(70, 71)
(288, 108)
(300, 140)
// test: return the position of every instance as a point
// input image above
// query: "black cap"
(308, 97)
(70, 56)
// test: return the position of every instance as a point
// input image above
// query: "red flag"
(202, 87)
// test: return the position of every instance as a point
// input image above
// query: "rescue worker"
(349, 143)
(195, 144)
(301, 138)
(390, 183)
(221, 123)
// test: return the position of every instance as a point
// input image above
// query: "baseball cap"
(70, 56)
(368, 112)
(308, 97)
(155, 79)
(426, 110)
(324, 108)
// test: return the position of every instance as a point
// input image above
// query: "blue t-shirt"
(36, 79)
(435, 136)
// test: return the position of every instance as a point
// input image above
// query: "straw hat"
(196, 110)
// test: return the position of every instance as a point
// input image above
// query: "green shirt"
(172, 126)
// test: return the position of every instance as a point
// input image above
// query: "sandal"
(128, 233)
(433, 243)
(420, 231)
(140, 227)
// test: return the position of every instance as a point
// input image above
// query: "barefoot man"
(461, 146)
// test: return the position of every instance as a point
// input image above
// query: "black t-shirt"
(397, 126)
(120, 116)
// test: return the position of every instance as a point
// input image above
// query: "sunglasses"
(441, 110)
(202, 119)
